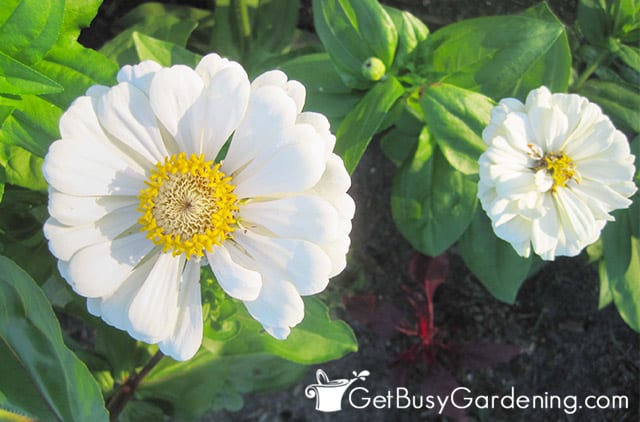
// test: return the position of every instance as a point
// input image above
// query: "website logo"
(328, 393)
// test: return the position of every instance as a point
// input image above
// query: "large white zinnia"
(554, 169)
(140, 199)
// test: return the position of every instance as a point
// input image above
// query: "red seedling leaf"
(380, 318)
(428, 270)
(486, 355)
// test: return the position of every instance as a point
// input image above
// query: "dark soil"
(569, 347)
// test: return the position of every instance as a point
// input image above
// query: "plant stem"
(589, 70)
(121, 397)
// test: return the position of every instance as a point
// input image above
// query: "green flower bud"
(373, 69)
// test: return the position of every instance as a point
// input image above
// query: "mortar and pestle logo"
(328, 393)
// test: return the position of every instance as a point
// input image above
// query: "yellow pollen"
(560, 167)
(188, 206)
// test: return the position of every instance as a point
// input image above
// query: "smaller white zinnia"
(554, 169)
(140, 199)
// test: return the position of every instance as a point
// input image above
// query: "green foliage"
(163, 52)
(455, 118)
(431, 203)
(39, 375)
(352, 32)
(361, 123)
(500, 56)
(42, 69)
(619, 101)
(496, 264)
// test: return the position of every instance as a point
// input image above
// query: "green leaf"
(326, 93)
(496, 264)
(168, 28)
(401, 141)
(330, 339)
(26, 134)
(500, 56)
(39, 373)
(352, 32)
(21, 167)
(456, 117)
(592, 20)
(629, 55)
(411, 32)
(29, 28)
(359, 126)
(622, 263)
(17, 78)
(604, 295)
(163, 52)
(432, 204)
(210, 382)
(620, 102)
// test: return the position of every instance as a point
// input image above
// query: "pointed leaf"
(39, 373)
(163, 52)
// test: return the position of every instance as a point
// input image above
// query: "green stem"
(121, 397)
(242, 21)
(602, 56)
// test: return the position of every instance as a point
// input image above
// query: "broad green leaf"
(432, 204)
(496, 264)
(22, 168)
(455, 118)
(411, 31)
(622, 263)
(253, 31)
(401, 141)
(211, 382)
(39, 373)
(167, 28)
(17, 78)
(326, 93)
(26, 134)
(629, 55)
(604, 294)
(29, 28)
(163, 52)
(500, 56)
(352, 31)
(316, 339)
(592, 20)
(620, 102)
(359, 126)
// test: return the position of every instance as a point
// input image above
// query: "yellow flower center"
(560, 167)
(189, 205)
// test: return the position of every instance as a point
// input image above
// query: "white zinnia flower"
(554, 170)
(139, 199)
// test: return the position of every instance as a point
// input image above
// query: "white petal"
(545, 230)
(337, 253)
(126, 114)
(279, 305)
(99, 269)
(78, 210)
(154, 309)
(80, 122)
(140, 74)
(115, 307)
(211, 64)
(93, 306)
(321, 125)
(577, 221)
(237, 280)
(65, 240)
(269, 111)
(281, 333)
(294, 167)
(303, 263)
(187, 335)
(173, 90)
(297, 217)
(294, 89)
(209, 122)
(81, 168)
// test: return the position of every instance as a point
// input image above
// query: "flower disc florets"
(189, 205)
